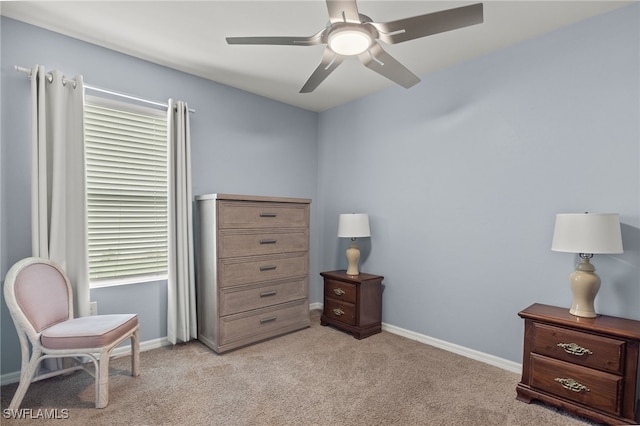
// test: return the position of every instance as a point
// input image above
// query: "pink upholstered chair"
(40, 300)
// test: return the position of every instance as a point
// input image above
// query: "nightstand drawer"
(340, 290)
(241, 242)
(234, 214)
(584, 385)
(580, 348)
(341, 311)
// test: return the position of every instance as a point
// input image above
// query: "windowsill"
(126, 281)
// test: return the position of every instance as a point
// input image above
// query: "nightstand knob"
(572, 385)
(339, 291)
(338, 311)
(573, 349)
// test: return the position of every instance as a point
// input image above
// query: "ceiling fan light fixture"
(349, 41)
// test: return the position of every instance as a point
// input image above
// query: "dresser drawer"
(340, 290)
(262, 215)
(341, 311)
(237, 242)
(584, 385)
(247, 270)
(244, 298)
(589, 350)
(254, 325)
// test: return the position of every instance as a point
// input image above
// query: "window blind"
(127, 186)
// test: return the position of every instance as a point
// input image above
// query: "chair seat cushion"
(88, 332)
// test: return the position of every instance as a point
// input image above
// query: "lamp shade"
(590, 233)
(354, 225)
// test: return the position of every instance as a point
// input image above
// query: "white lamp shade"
(592, 233)
(354, 225)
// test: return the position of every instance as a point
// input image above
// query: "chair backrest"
(38, 295)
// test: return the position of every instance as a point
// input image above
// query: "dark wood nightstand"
(353, 303)
(587, 366)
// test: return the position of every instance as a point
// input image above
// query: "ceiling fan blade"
(343, 11)
(330, 61)
(431, 23)
(284, 41)
(381, 62)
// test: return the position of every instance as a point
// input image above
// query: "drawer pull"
(339, 291)
(268, 268)
(268, 241)
(268, 293)
(266, 320)
(572, 385)
(574, 349)
(268, 214)
(338, 311)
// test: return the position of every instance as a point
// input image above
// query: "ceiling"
(190, 36)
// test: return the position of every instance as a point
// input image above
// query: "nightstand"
(587, 366)
(353, 303)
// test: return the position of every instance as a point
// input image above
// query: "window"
(127, 189)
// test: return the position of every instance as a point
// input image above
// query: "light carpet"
(316, 376)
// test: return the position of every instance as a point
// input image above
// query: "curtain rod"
(99, 89)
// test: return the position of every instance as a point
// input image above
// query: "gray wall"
(241, 143)
(462, 177)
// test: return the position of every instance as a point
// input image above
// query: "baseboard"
(514, 367)
(505, 364)
(315, 306)
(121, 351)
(8, 378)
(118, 352)
(144, 346)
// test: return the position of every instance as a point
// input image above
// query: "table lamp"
(586, 234)
(353, 225)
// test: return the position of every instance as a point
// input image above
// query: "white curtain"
(181, 312)
(58, 200)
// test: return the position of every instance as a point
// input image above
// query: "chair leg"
(102, 380)
(26, 375)
(102, 370)
(135, 353)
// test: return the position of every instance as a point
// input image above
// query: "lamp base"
(585, 284)
(353, 255)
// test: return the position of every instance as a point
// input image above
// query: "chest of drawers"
(353, 303)
(252, 268)
(587, 366)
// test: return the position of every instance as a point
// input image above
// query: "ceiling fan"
(350, 33)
